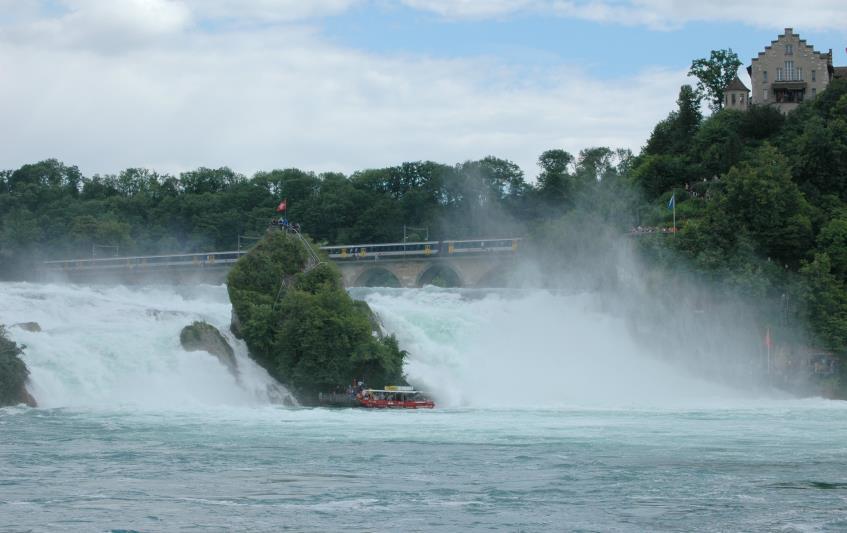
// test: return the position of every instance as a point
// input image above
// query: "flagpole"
(768, 342)
(673, 195)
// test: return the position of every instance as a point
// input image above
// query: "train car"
(387, 250)
(480, 246)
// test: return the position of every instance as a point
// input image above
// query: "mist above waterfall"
(530, 348)
(613, 335)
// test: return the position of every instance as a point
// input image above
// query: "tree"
(714, 74)
(554, 181)
(673, 135)
(761, 196)
(832, 240)
(825, 300)
(659, 173)
(718, 144)
(500, 178)
(209, 180)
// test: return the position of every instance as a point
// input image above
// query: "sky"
(344, 85)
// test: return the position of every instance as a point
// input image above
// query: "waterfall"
(119, 346)
(528, 348)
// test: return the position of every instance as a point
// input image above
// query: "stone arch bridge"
(456, 263)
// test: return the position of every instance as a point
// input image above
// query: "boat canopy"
(399, 388)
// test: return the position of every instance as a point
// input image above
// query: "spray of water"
(530, 348)
(119, 346)
(116, 346)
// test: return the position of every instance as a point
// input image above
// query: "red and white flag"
(281, 207)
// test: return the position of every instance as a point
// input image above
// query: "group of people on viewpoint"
(283, 224)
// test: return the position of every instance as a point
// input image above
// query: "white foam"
(530, 349)
(119, 346)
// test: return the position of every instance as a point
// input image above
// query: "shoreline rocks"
(13, 374)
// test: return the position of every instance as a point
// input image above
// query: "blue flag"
(672, 201)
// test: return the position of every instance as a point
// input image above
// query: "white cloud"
(270, 10)
(105, 26)
(657, 14)
(473, 8)
(111, 26)
(269, 99)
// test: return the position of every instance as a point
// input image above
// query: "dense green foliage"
(49, 210)
(13, 372)
(300, 323)
(762, 205)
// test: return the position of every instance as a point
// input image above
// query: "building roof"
(840, 72)
(737, 85)
(789, 31)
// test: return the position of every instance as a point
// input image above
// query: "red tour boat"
(394, 397)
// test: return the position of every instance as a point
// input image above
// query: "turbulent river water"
(550, 417)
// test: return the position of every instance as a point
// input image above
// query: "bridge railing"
(373, 252)
(147, 261)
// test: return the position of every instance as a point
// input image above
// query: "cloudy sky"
(351, 84)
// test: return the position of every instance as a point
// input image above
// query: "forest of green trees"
(761, 205)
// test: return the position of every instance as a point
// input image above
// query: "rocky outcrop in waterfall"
(201, 336)
(13, 374)
(290, 306)
(33, 327)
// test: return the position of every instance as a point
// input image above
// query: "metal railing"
(205, 259)
(386, 251)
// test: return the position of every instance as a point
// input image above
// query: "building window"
(789, 49)
(813, 76)
(814, 91)
(788, 96)
(765, 76)
(733, 98)
(779, 74)
(764, 95)
(789, 71)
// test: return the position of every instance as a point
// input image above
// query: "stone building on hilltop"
(786, 73)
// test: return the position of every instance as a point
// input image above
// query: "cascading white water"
(115, 346)
(528, 348)
(119, 346)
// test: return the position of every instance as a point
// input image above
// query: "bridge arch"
(440, 274)
(377, 277)
(496, 276)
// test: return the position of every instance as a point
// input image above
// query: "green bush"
(13, 371)
(302, 326)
